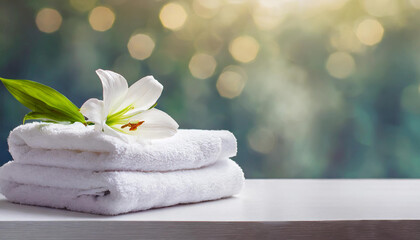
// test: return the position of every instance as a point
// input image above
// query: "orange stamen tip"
(133, 126)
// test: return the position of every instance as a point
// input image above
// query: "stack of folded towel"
(77, 168)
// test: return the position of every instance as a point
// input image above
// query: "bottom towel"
(116, 192)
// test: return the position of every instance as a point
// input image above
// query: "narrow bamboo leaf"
(43, 100)
(47, 117)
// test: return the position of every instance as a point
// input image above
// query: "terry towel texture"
(80, 147)
(76, 168)
(112, 193)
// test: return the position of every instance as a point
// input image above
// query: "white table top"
(268, 200)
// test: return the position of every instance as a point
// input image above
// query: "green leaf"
(46, 117)
(46, 103)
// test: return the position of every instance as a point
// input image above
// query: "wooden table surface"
(265, 209)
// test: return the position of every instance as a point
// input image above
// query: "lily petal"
(115, 88)
(157, 124)
(143, 94)
(93, 110)
(112, 132)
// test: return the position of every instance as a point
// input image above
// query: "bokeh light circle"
(48, 20)
(101, 18)
(140, 46)
(231, 82)
(340, 64)
(244, 49)
(202, 65)
(370, 32)
(173, 16)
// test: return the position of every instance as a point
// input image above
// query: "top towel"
(79, 147)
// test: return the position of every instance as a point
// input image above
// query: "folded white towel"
(116, 192)
(80, 147)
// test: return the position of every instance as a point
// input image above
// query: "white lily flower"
(129, 110)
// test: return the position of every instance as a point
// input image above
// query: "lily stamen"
(133, 126)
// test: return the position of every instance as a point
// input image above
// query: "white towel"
(116, 192)
(79, 147)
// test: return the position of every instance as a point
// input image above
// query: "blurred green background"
(311, 89)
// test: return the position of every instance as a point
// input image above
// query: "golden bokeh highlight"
(381, 8)
(206, 8)
(231, 82)
(262, 140)
(202, 65)
(140, 46)
(173, 16)
(48, 20)
(82, 5)
(340, 65)
(370, 32)
(244, 49)
(101, 18)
